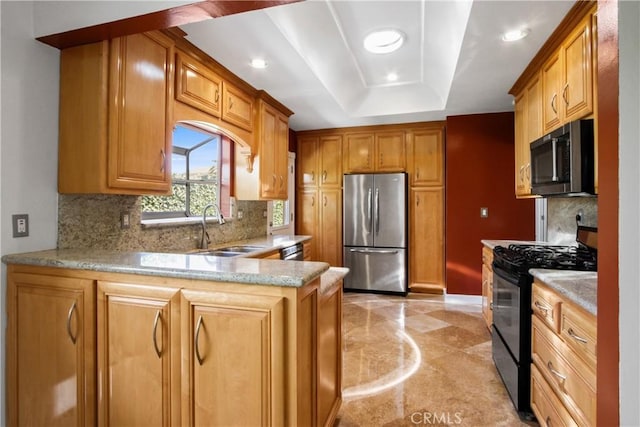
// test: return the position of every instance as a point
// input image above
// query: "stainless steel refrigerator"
(375, 232)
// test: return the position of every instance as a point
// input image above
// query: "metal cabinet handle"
(554, 372)
(324, 176)
(553, 99)
(381, 159)
(541, 307)
(547, 422)
(325, 200)
(281, 182)
(163, 160)
(154, 333)
(195, 341)
(230, 103)
(313, 201)
(69, 315)
(573, 335)
(417, 200)
(313, 176)
(564, 94)
(217, 97)
(378, 251)
(417, 173)
(490, 306)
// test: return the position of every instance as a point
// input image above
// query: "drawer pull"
(541, 307)
(576, 337)
(554, 372)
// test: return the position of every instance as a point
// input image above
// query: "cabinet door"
(577, 95)
(521, 147)
(426, 157)
(197, 85)
(551, 84)
(359, 152)
(50, 351)
(330, 246)
(307, 161)
(390, 152)
(138, 355)
(534, 112)
(140, 125)
(330, 161)
(487, 295)
(237, 107)
(282, 156)
(308, 218)
(268, 152)
(234, 362)
(426, 238)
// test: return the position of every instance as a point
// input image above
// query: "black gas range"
(511, 331)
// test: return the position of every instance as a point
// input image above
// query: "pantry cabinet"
(379, 151)
(50, 350)
(426, 239)
(563, 346)
(115, 116)
(425, 154)
(138, 354)
(233, 348)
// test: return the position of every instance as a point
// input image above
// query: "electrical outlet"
(125, 220)
(264, 214)
(484, 212)
(240, 214)
(20, 225)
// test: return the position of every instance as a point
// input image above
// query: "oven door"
(506, 310)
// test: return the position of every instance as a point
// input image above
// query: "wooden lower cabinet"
(426, 240)
(138, 355)
(50, 350)
(233, 345)
(487, 285)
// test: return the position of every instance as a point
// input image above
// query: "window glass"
(195, 173)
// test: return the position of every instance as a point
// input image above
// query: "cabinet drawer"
(571, 379)
(578, 330)
(546, 306)
(545, 404)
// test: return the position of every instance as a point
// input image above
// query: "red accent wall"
(608, 397)
(480, 173)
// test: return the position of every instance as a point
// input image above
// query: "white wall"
(28, 141)
(629, 28)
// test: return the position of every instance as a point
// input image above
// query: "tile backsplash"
(561, 217)
(93, 221)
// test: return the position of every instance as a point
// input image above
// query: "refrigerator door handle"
(369, 210)
(365, 251)
(377, 211)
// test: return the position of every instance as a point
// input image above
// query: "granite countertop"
(580, 287)
(493, 243)
(179, 265)
(331, 276)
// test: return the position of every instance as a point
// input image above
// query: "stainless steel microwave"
(562, 161)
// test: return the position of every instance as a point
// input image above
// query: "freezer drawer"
(376, 269)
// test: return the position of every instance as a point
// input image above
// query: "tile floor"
(419, 361)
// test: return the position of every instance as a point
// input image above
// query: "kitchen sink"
(218, 252)
(241, 248)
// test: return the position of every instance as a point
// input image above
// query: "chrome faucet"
(204, 242)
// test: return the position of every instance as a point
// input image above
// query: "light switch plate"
(20, 225)
(484, 212)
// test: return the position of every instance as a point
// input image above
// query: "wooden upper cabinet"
(359, 152)
(307, 161)
(426, 157)
(139, 118)
(521, 148)
(534, 109)
(237, 106)
(390, 151)
(567, 79)
(274, 146)
(577, 92)
(330, 161)
(320, 161)
(50, 350)
(115, 116)
(197, 85)
(138, 354)
(375, 152)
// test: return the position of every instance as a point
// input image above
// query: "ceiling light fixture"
(392, 77)
(259, 63)
(515, 35)
(383, 41)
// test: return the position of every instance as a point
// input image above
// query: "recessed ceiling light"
(383, 41)
(259, 63)
(392, 77)
(515, 35)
